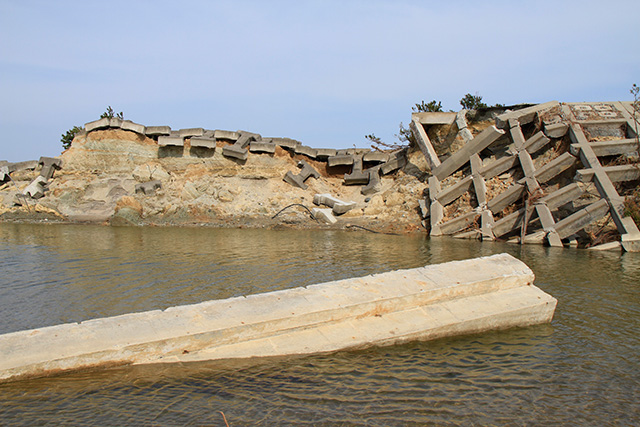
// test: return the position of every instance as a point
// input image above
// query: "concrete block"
(461, 119)
(115, 122)
(458, 223)
(133, 127)
(396, 161)
(49, 165)
(190, 132)
(375, 157)
(506, 198)
(298, 180)
(611, 246)
(157, 130)
(374, 184)
(246, 137)
(357, 175)
(262, 147)
(97, 124)
(174, 141)
(536, 142)
(577, 221)
(148, 188)
(325, 153)
(37, 188)
(305, 150)
(324, 215)
(287, 143)
(554, 168)
(226, 135)
(26, 165)
(236, 152)
(338, 206)
(203, 142)
(341, 160)
(556, 130)
(452, 192)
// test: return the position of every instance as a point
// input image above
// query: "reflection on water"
(580, 370)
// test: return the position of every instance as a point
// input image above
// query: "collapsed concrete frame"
(556, 119)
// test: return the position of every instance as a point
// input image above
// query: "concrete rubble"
(455, 298)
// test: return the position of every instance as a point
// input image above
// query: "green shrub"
(67, 138)
(472, 102)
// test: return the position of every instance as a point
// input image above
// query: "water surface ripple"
(582, 369)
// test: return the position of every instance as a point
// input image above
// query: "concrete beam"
(619, 173)
(37, 188)
(452, 192)
(556, 130)
(375, 157)
(342, 160)
(102, 123)
(49, 165)
(357, 175)
(287, 143)
(235, 151)
(582, 218)
(324, 215)
(461, 157)
(627, 147)
(456, 298)
(459, 223)
(374, 184)
(525, 115)
(506, 198)
(434, 118)
(396, 161)
(306, 151)
(554, 168)
(424, 143)
(325, 153)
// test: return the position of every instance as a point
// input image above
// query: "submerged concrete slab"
(454, 298)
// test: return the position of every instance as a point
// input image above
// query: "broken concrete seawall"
(454, 298)
(558, 174)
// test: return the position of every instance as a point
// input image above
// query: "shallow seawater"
(582, 369)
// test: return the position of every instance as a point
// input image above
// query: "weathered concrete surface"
(454, 298)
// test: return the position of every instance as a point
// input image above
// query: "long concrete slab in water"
(454, 298)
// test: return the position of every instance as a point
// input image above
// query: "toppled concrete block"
(337, 206)
(157, 130)
(133, 127)
(115, 122)
(148, 188)
(236, 152)
(190, 132)
(461, 119)
(374, 182)
(4, 173)
(357, 175)
(434, 118)
(396, 161)
(203, 142)
(174, 141)
(262, 147)
(37, 188)
(226, 135)
(305, 150)
(324, 215)
(340, 160)
(49, 165)
(298, 180)
(246, 137)
(103, 123)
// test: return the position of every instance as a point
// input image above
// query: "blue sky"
(323, 72)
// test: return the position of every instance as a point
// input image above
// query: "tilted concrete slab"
(174, 141)
(455, 298)
(226, 134)
(263, 146)
(338, 206)
(524, 115)
(189, 132)
(133, 127)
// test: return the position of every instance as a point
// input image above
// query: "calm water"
(583, 369)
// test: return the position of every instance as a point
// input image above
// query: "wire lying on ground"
(295, 204)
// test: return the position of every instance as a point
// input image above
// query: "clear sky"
(323, 72)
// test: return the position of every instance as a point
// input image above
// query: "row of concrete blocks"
(243, 142)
